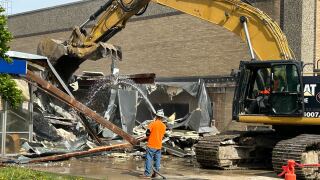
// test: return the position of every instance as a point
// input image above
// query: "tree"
(8, 88)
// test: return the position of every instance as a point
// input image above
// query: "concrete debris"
(66, 135)
(79, 106)
(59, 110)
(174, 151)
(53, 120)
(119, 155)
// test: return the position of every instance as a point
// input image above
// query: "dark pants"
(155, 155)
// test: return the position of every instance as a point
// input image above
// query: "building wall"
(168, 46)
(222, 111)
(65, 17)
(163, 42)
(299, 17)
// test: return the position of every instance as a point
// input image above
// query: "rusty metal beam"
(80, 107)
(79, 153)
(89, 129)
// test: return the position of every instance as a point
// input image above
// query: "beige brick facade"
(178, 45)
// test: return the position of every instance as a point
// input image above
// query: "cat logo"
(309, 89)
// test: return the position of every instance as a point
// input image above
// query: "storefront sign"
(16, 67)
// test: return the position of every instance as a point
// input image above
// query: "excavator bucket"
(66, 59)
(52, 49)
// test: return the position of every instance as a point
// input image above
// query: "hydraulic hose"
(128, 8)
(143, 10)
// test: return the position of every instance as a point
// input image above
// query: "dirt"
(128, 167)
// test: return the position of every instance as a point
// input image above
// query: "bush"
(8, 88)
(9, 91)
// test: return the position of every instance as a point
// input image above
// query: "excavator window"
(257, 100)
(269, 88)
(286, 92)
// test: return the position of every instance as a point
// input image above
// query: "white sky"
(19, 6)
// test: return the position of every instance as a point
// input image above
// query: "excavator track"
(207, 151)
(304, 149)
(236, 150)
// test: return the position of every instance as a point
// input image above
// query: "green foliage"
(5, 36)
(23, 173)
(8, 88)
(9, 91)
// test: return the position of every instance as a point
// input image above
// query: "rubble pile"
(59, 129)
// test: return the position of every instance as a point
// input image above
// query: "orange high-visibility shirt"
(157, 130)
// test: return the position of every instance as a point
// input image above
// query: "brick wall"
(178, 45)
(65, 17)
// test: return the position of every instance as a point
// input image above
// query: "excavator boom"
(268, 41)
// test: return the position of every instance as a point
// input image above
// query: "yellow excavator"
(270, 87)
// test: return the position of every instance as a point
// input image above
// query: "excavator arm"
(267, 39)
(263, 35)
(109, 19)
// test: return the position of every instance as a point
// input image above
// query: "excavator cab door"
(286, 96)
(269, 88)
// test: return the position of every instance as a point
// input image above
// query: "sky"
(19, 6)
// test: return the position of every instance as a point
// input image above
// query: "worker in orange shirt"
(155, 133)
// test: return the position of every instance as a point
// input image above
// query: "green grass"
(16, 173)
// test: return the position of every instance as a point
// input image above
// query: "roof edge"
(48, 8)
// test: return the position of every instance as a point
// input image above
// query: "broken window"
(14, 128)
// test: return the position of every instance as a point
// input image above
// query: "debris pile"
(125, 101)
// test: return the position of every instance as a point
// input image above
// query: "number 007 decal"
(311, 114)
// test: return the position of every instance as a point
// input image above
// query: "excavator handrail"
(268, 41)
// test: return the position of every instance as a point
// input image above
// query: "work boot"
(154, 175)
(143, 176)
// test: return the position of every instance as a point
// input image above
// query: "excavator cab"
(269, 88)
